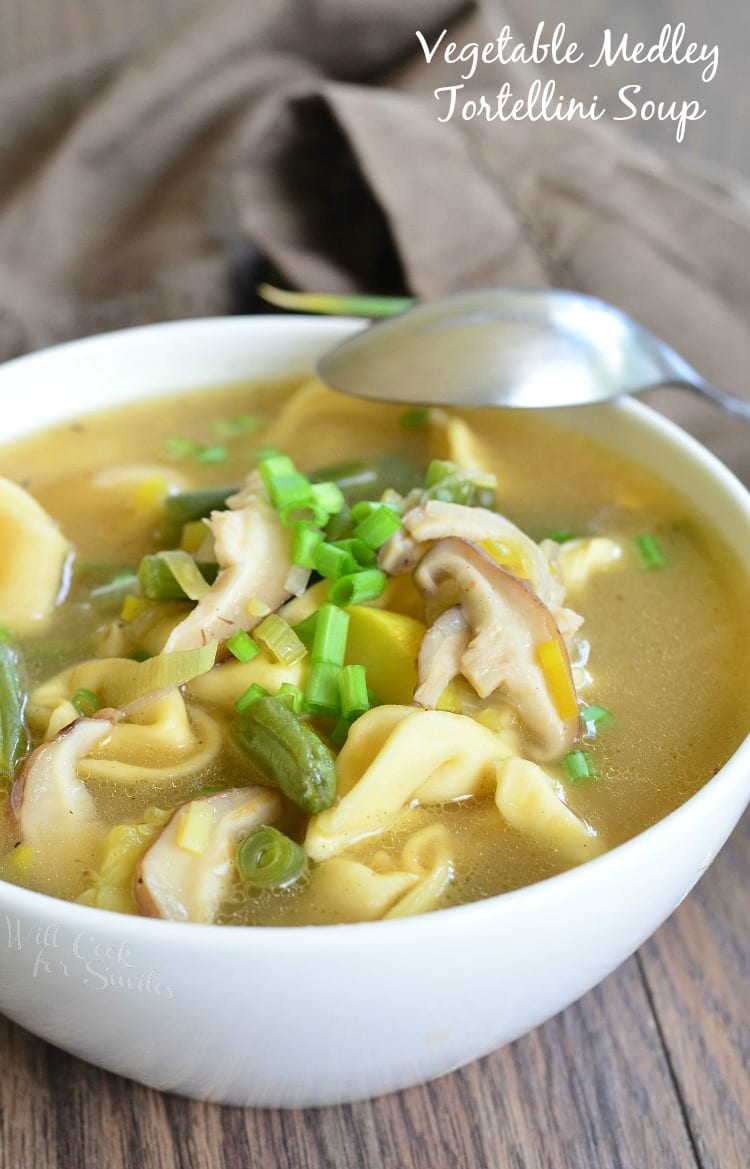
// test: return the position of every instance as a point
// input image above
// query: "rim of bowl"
(425, 924)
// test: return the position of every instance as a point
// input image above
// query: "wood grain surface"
(649, 1071)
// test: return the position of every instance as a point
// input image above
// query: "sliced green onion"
(329, 497)
(271, 860)
(212, 453)
(362, 510)
(186, 572)
(364, 555)
(86, 702)
(339, 527)
(561, 537)
(250, 696)
(358, 587)
(14, 740)
(333, 303)
(305, 630)
(322, 692)
(288, 752)
(415, 418)
(157, 581)
(242, 424)
(378, 527)
(186, 506)
(162, 672)
(305, 541)
(579, 765)
(179, 448)
(289, 490)
(275, 465)
(242, 646)
(652, 553)
(332, 562)
(331, 630)
(279, 639)
(292, 696)
(353, 692)
(596, 718)
(307, 512)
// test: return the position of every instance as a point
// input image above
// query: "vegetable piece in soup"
(291, 658)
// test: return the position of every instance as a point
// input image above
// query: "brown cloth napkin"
(133, 187)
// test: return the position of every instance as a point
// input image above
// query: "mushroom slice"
(440, 655)
(497, 535)
(184, 875)
(253, 550)
(52, 805)
(508, 623)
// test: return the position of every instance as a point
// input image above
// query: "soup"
(277, 657)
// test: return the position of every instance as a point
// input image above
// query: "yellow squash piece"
(387, 645)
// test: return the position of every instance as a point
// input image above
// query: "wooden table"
(649, 1071)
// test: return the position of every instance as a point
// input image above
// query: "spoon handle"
(733, 404)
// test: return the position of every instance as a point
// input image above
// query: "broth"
(668, 647)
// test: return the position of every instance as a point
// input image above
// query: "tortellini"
(396, 756)
(33, 562)
(183, 739)
(532, 803)
(356, 891)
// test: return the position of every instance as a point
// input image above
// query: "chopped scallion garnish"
(353, 692)
(271, 860)
(332, 562)
(561, 537)
(579, 765)
(242, 646)
(212, 453)
(251, 695)
(305, 542)
(331, 630)
(329, 497)
(309, 513)
(357, 588)
(292, 697)
(86, 702)
(652, 553)
(322, 693)
(596, 718)
(378, 527)
(178, 447)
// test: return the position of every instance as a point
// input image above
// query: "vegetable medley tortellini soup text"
(271, 656)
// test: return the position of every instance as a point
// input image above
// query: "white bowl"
(319, 1015)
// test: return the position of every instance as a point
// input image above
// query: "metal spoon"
(511, 347)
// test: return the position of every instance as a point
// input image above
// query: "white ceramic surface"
(293, 1017)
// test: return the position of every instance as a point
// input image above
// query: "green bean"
(187, 506)
(157, 583)
(271, 860)
(14, 741)
(288, 753)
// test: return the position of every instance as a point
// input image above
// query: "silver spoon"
(511, 347)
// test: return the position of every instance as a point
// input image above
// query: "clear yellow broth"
(669, 647)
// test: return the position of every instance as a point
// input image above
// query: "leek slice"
(155, 674)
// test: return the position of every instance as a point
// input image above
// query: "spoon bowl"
(523, 348)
